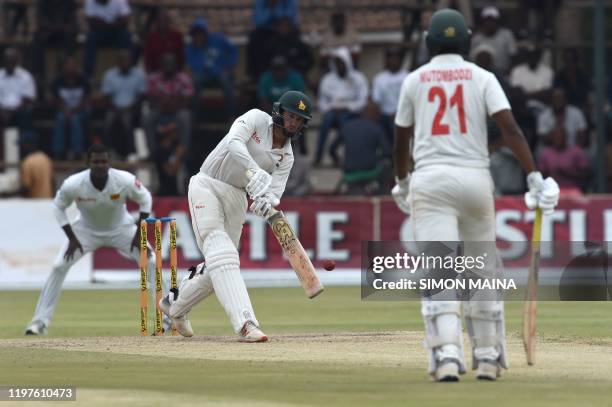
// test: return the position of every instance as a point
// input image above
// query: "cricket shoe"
(36, 328)
(182, 324)
(447, 371)
(488, 370)
(251, 333)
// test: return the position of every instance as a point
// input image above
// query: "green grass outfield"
(334, 350)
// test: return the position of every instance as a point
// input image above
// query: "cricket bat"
(531, 295)
(294, 251)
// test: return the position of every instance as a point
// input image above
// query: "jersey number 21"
(441, 129)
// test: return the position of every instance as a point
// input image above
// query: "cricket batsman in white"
(254, 158)
(100, 193)
(446, 185)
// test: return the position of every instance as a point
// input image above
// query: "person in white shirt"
(17, 94)
(499, 38)
(534, 77)
(108, 26)
(446, 186)
(343, 93)
(562, 114)
(254, 158)
(100, 193)
(386, 88)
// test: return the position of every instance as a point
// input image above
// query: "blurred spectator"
(498, 37)
(211, 58)
(340, 34)
(386, 88)
(534, 77)
(163, 39)
(267, 12)
(505, 168)
(70, 91)
(36, 169)
(123, 87)
(276, 81)
(169, 120)
(298, 183)
(343, 92)
(168, 155)
(288, 42)
(573, 79)
(416, 41)
(56, 27)
(17, 95)
(365, 149)
(567, 164)
(560, 114)
(524, 117)
(108, 26)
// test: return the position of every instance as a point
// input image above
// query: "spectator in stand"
(266, 14)
(70, 92)
(123, 88)
(386, 88)
(568, 164)
(534, 76)
(420, 54)
(561, 114)
(56, 27)
(212, 58)
(524, 117)
(36, 169)
(108, 26)
(298, 183)
(366, 150)
(340, 34)
(169, 92)
(163, 39)
(498, 37)
(507, 174)
(573, 79)
(17, 95)
(168, 156)
(288, 42)
(343, 93)
(276, 81)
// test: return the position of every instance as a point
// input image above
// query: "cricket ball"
(329, 265)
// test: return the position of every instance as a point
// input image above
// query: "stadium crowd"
(175, 83)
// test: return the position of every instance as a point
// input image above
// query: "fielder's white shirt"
(102, 210)
(447, 101)
(248, 145)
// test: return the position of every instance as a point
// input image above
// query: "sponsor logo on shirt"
(81, 199)
(199, 206)
(114, 197)
(137, 183)
(255, 137)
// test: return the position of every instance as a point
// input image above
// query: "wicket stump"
(158, 272)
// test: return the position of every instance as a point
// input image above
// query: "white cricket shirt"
(248, 145)
(101, 210)
(447, 101)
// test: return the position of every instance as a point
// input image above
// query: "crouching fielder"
(444, 105)
(259, 144)
(100, 193)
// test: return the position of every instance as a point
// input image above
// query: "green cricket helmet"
(294, 102)
(448, 31)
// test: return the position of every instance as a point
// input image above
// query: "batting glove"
(258, 183)
(400, 194)
(543, 193)
(263, 205)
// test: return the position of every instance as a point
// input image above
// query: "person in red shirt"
(568, 165)
(163, 39)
